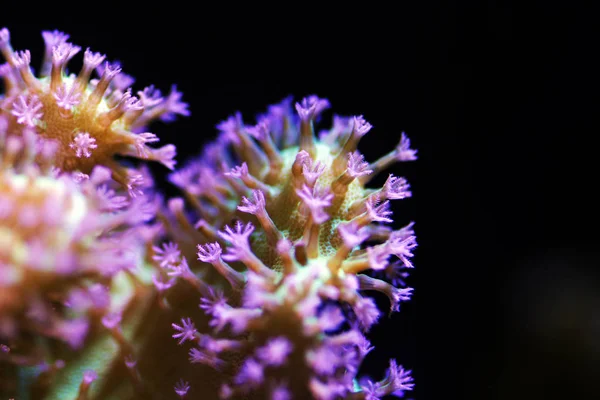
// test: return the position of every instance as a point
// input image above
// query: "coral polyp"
(91, 120)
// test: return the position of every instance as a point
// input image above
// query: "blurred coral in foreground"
(258, 287)
(67, 245)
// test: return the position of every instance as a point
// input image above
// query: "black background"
(499, 101)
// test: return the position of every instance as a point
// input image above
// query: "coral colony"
(253, 285)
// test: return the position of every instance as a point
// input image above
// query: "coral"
(69, 244)
(254, 285)
(75, 225)
(301, 239)
(91, 120)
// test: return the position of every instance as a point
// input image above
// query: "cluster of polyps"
(91, 120)
(284, 218)
(65, 239)
(292, 276)
(72, 243)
